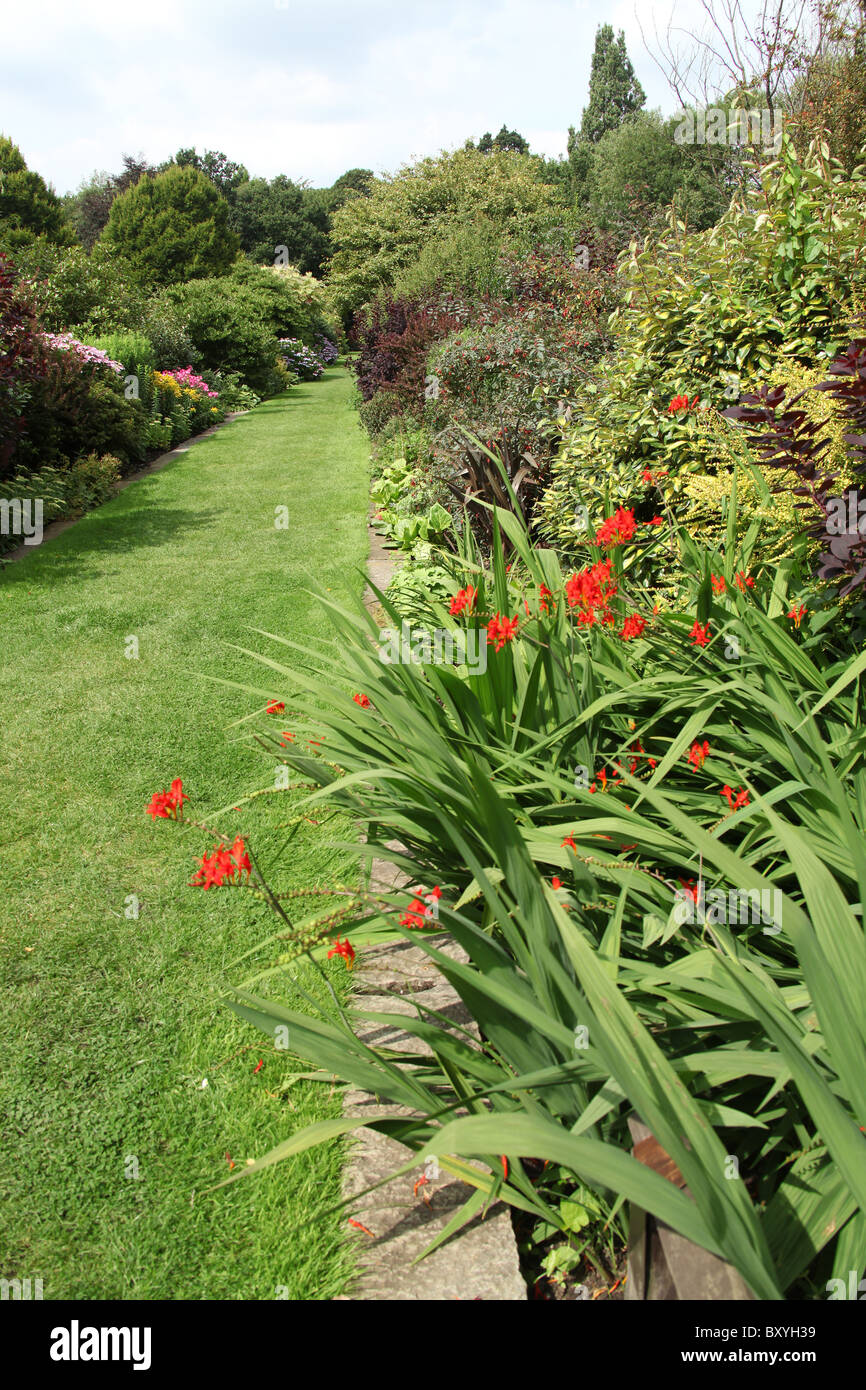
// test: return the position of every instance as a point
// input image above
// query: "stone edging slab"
(481, 1261)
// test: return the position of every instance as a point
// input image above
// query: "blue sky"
(308, 88)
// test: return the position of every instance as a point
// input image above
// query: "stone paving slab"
(481, 1261)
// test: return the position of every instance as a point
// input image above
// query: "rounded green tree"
(172, 228)
(28, 207)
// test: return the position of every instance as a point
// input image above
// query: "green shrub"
(64, 493)
(232, 392)
(235, 320)
(378, 411)
(78, 409)
(134, 350)
(89, 482)
(91, 293)
(167, 330)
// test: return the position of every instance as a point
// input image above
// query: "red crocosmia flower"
(240, 856)
(741, 799)
(797, 614)
(415, 916)
(718, 583)
(679, 403)
(556, 882)
(463, 600)
(362, 700)
(744, 581)
(168, 804)
(526, 606)
(569, 842)
(501, 630)
(216, 867)
(698, 753)
(656, 521)
(695, 401)
(286, 738)
(647, 475)
(632, 627)
(591, 590)
(344, 949)
(544, 594)
(275, 707)
(617, 529)
(602, 777)
(420, 910)
(638, 751)
(700, 635)
(159, 805)
(689, 887)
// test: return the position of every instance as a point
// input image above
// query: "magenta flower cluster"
(185, 376)
(64, 342)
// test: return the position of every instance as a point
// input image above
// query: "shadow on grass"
(134, 526)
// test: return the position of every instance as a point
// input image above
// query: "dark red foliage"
(393, 339)
(785, 438)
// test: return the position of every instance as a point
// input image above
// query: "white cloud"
(308, 90)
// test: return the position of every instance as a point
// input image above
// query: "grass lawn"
(110, 1024)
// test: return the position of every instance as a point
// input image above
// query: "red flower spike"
(797, 614)
(632, 627)
(741, 799)
(275, 707)
(556, 883)
(698, 753)
(617, 529)
(501, 630)
(362, 700)
(700, 635)
(359, 1226)
(718, 583)
(240, 856)
(344, 949)
(168, 804)
(463, 600)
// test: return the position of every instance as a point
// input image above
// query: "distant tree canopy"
(504, 140)
(375, 238)
(636, 171)
(267, 214)
(173, 227)
(28, 207)
(225, 175)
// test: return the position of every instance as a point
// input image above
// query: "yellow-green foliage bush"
(764, 493)
(782, 276)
